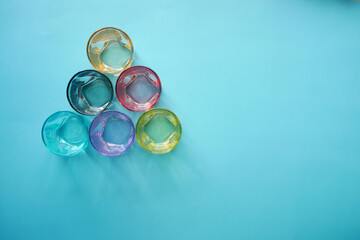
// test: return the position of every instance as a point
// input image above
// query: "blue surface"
(268, 95)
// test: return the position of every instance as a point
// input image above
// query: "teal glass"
(65, 133)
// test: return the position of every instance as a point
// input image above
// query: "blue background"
(268, 95)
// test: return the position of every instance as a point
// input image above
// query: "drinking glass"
(110, 50)
(112, 133)
(158, 130)
(138, 88)
(90, 92)
(65, 133)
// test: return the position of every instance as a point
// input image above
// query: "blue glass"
(90, 92)
(65, 133)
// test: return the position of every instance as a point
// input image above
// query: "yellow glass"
(110, 50)
(158, 130)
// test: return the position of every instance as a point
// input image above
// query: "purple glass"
(112, 133)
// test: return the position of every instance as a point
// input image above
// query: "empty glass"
(65, 133)
(158, 130)
(110, 50)
(90, 92)
(138, 88)
(112, 133)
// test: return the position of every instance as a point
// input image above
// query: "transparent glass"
(138, 88)
(158, 130)
(112, 133)
(90, 92)
(110, 50)
(65, 133)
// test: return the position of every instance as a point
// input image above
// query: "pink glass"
(138, 88)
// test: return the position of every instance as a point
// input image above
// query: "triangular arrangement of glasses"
(90, 92)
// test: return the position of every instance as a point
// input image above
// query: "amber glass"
(110, 50)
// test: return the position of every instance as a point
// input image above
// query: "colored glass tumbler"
(110, 50)
(112, 133)
(90, 92)
(158, 130)
(65, 133)
(138, 88)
